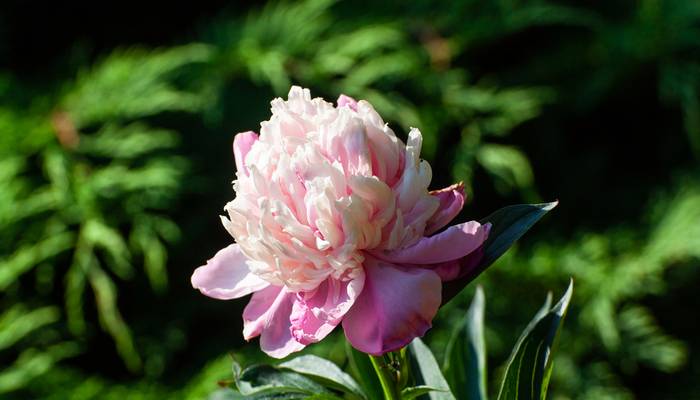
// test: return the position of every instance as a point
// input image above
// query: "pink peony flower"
(333, 222)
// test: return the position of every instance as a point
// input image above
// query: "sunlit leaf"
(28, 256)
(266, 380)
(33, 363)
(329, 373)
(134, 83)
(508, 165)
(17, 322)
(111, 319)
(427, 371)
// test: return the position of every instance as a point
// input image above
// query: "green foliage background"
(115, 162)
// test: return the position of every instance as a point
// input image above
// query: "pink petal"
(315, 314)
(226, 276)
(344, 100)
(267, 314)
(456, 269)
(255, 312)
(241, 146)
(457, 274)
(451, 203)
(396, 305)
(455, 242)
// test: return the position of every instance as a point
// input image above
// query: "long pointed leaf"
(465, 360)
(530, 364)
(510, 224)
(427, 371)
(414, 392)
(507, 225)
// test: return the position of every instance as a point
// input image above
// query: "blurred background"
(116, 124)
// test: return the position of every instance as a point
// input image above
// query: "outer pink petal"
(315, 314)
(344, 100)
(226, 276)
(256, 311)
(241, 146)
(454, 243)
(456, 269)
(397, 305)
(451, 203)
(267, 314)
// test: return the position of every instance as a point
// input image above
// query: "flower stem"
(389, 384)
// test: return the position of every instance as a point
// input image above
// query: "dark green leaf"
(465, 359)
(507, 225)
(427, 371)
(364, 372)
(530, 365)
(325, 371)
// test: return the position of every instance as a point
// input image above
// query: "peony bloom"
(334, 223)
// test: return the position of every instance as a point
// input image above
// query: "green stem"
(386, 379)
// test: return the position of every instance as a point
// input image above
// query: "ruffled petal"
(396, 305)
(344, 100)
(276, 339)
(454, 243)
(451, 203)
(267, 315)
(315, 314)
(226, 276)
(241, 146)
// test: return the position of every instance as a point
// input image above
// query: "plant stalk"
(386, 379)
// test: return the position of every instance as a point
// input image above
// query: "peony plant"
(334, 224)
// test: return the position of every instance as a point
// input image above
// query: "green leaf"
(236, 369)
(363, 370)
(410, 393)
(465, 359)
(286, 396)
(127, 142)
(226, 394)
(135, 83)
(100, 235)
(33, 363)
(427, 371)
(324, 371)
(530, 365)
(507, 225)
(18, 322)
(111, 319)
(268, 380)
(291, 396)
(507, 164)
(144, 238)
(28, 256)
